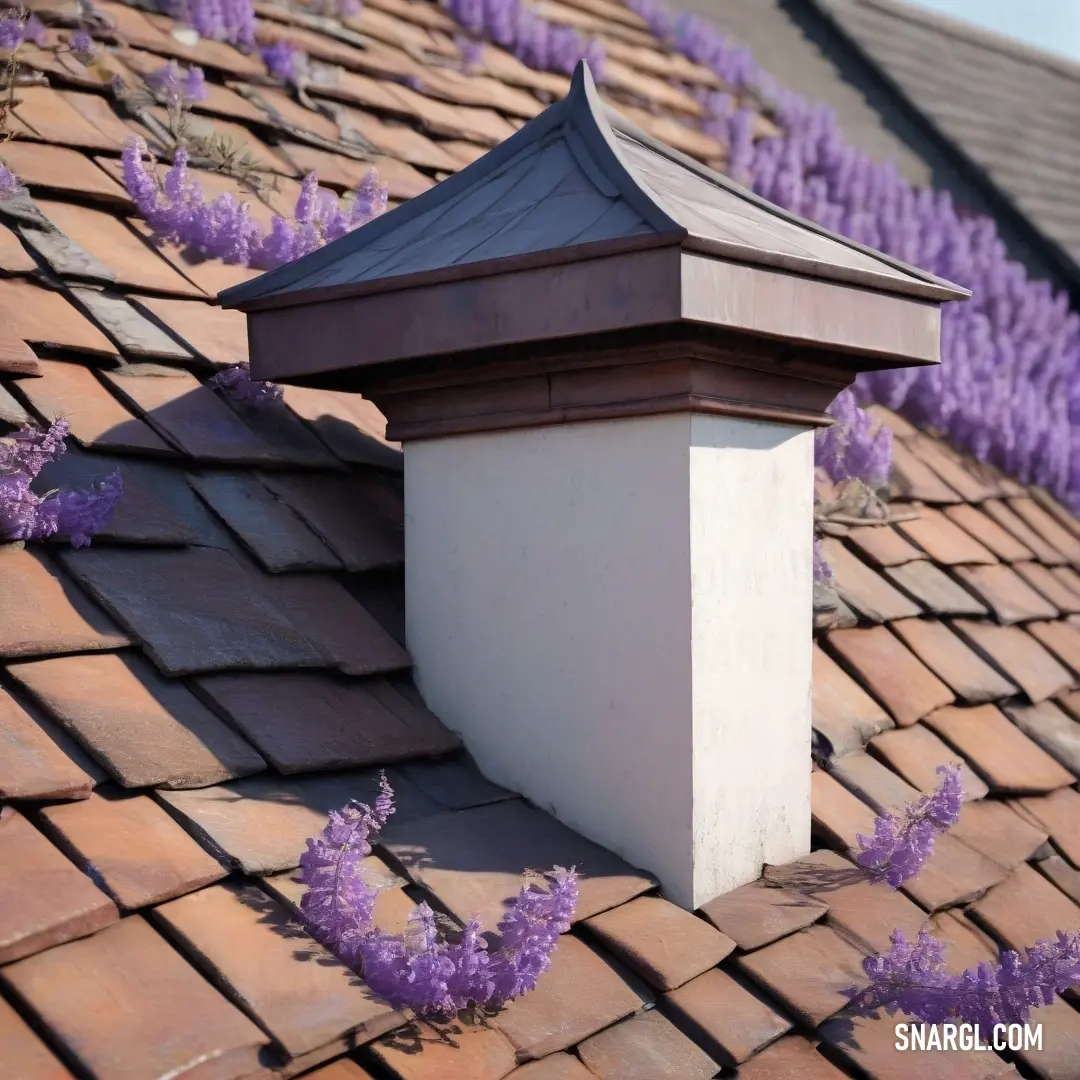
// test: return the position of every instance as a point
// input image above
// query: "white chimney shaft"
(615, 615)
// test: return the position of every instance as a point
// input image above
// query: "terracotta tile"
(837, 815)
(126, 1005)
(14, 258)
(16, 357)
(193, 609)
(908, 689)
(131, 847)
(964, 671)
(261, 823)
(1067, 576)
(580, 994)
(647, 1046)
(43, 317)
(1005, 757)
(988, 532)
(862, 588)
(1019, 529)
(934, 589)
(940, 458)
(343, 1069)
(217, 335)
(44, 899)
(992, 828)
(58, 169)
(394, 140)
(341, 514)
(350, 425)
(916, 753)
(42, 611)
(808, 972)
(56, 120)
(25, 1054)
(757, 914)
(65, 257)
(454, 782)
(241, 938)
(136, 335)
(191, 416)
(1026, 908)
(842, 711)
(870, 1045)
(97, 109)
(470, 1052)
(665, 944)
(98, 420)
(1059, 814)
(792, 1058)
(1047, 582)
(943, 540)
(1064, 876)
(443, 854)
(872, 781)
(286, 112)
(32, 764)
(553, 1067)
(966, 946)
(1009, 596)
(1060, 1042)
(1048, 527)
(1019, 656)
(1053, 729)
(914, 480)
(1061, 638)
(143, 729)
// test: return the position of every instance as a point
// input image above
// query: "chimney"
(606, 364)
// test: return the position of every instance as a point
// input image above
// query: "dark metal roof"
(576, 176)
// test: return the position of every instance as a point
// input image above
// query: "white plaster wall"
(615, 616)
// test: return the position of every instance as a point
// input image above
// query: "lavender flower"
(237, 383)
(903, 842)
(34, 31)
(283, 60)
(179, 86)
(11, 30)
(422, 970)
(823, 572)
(472, 52)
(73, 514)
(231, 21)
(82, 46)
(852, 447)
(9, 182)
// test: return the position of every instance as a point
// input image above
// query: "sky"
(1047, 24)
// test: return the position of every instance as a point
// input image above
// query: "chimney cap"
(577, 180)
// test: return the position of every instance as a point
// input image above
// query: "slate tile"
(870, 1046)
(792, 1058)
(1062, 638)
(191, 416)
(757, 914)
(1062, 874)
(807, 972)
(344, 517)
(1011, 599)
(143, 729)
(471, 1052)
(943, 540)
(126, 1005)
(1023, 533)
(907, 688)
(665, 944)
(59, 169)
(842, 711)
(916, 753)
(1047, 582)
(217, 335)
(261, 824)
(934, 589)
(44, 317)
(245, 942)
(327, 614)
(970, 677)
(193, 609)
(131, 847)
(1025, 908)
(44, 899)
(25, 1054)
(1059, 814)
(97, 419)
(42, 611)
(63, 256)
(1060, 1052)
(837, 815)
(553, 1067)
(473, 860)
(272, 532)
(350, 425)
(578, 995)
(1019, 656)
(305, 722)
(1049, 726)
(992, 828)
(646, 1047)
(862, 588)
(988, 532)
(1048, 527)
(454, 782)
(32, 765)
(951, 467)
(136, 335)
(998, 751)
(290, 437)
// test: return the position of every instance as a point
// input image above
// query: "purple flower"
(903, 842)
(283, 60)
(852, 446)
(179, 86)
(823, 572)
(9, 182)
(231, 21)
(11, 31)
(82, 46)
(237, 383)
(35, 31)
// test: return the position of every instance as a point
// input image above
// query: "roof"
(1008, 107)
(181, 703)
